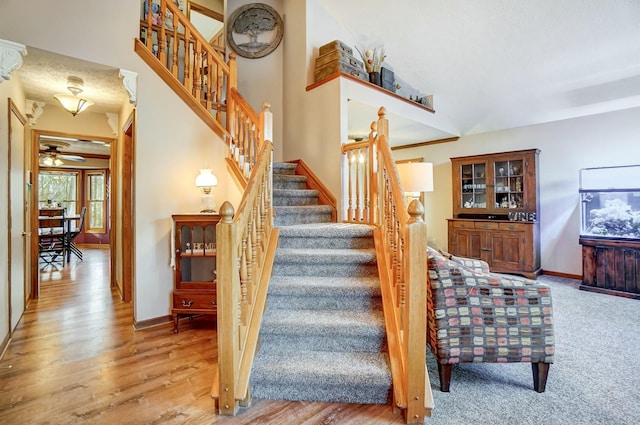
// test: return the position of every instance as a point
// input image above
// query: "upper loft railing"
(198, 73)
(375, 196)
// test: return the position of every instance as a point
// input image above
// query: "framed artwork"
(254, 30)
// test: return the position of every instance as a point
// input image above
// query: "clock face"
(254, 30)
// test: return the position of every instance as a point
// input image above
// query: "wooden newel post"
(416, 313)
(228, 294)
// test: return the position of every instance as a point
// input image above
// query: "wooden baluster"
(373, 178)
(162, 55)
(358, 183)
(260, 222)
(218, 91)
(243, 280)
(240, 138)
(366, 186)
(250, 265)
(350, 210)
(401, 278)
(210, 89)
(176, 45)
(232, 81)
(231, 125)
(149, 19)
(197, 68)
(188, 79)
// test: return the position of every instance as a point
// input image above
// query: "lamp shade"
(73, 104)
(206, 178)
(416, 176)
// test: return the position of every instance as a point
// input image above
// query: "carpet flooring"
(595, 378)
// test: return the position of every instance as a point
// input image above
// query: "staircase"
(323, 336)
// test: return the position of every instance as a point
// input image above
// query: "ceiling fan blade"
(72, 157)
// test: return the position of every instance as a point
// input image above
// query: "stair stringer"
(179, 89)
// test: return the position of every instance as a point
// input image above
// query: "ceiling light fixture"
(50, 161)
(73, 103)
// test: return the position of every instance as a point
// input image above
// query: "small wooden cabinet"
(495, 208)
(195, 265)
(611, 266)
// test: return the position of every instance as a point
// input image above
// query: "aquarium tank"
(610, 202)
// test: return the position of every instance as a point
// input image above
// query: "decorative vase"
(374, 78)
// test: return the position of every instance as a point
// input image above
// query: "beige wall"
(261, 79)
(171, 142)
(566, 147)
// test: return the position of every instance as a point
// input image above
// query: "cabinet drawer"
(189, 300)
(514, 227)
(486, 225)
(462, 224)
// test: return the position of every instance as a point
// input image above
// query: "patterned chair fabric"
(474, 315)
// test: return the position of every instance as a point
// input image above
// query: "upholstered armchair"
(476, 316)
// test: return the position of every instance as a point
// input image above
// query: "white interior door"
(18, 226)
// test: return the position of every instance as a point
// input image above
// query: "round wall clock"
(254, 30)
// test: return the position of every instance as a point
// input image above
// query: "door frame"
(14, 111)
(127, 201)
(35, 167)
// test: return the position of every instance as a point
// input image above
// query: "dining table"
(53, 222)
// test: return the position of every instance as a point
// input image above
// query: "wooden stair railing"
(375, 196)
(198, 73)
(246, 242)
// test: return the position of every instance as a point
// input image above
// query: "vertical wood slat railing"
(186, 54)
(197, 71)
(361, 195)
(401, 240)
(247, 130)
(246, 242)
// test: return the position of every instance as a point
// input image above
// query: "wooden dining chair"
(52, 237)
(72, 234)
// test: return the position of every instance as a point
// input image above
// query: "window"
(58, 188)
(96, 205)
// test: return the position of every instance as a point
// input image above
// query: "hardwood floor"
(75, 359)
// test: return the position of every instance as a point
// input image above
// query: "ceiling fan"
(52, 156)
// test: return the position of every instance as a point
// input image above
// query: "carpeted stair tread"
(311, 368)
(294, 197)
(289, 181)
(323, 256)
(280, 168)
(288, 215)
(367, 323)
(327, 230)
(325, 292)
(324, 286)
(302, 209)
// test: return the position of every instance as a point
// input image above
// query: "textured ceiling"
(44, 74)
(490, 64)
(496, 64)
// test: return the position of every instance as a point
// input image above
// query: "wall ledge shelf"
(370, 85)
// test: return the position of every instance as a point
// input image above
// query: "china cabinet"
(194, 290)
(495, 210)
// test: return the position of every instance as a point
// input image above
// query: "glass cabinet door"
(508, 184)
(474, 185)
(197, 253)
